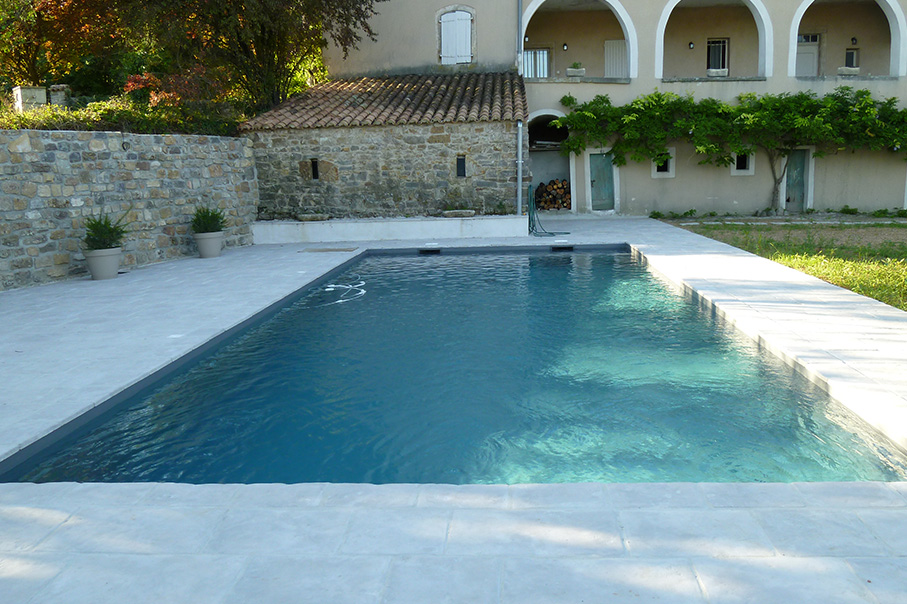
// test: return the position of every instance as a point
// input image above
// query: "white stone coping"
(384, 229)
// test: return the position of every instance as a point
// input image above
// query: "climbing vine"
(774, 124)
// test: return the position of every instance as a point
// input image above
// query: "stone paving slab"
(394, 544)
(237, 543)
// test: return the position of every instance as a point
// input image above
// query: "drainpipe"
(519, 124)
(519, 37)
(519, 168)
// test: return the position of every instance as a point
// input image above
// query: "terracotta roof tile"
(398, 100)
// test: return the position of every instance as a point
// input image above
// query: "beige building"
(628, 48)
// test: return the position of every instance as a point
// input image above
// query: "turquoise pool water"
(483, 368)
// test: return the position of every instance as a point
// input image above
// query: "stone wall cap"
(400, 100)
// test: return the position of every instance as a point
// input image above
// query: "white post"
(29, 97)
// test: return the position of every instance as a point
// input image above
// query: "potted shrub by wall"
(208, 226)
(576, 71)
(103, 245)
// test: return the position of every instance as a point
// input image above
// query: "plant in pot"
(103, 245)
(208, 225)
(576, 70)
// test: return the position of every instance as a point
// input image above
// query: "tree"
(23, 39)
(44, 40)
(778, 125)
(264, 45)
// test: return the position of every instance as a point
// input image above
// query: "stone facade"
(51, 180)
(381, 171)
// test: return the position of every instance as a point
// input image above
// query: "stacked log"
(553, 196)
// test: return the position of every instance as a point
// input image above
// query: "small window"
(314, 169)
(456, 37)
(744, 165)
(808, 39)
(852, 57)
(461, 166)
(664, 169)
(717, 54)
(535, 63)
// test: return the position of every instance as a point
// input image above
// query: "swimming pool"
(484, 369)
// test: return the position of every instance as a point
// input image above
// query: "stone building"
(412, 145)
(706, 48)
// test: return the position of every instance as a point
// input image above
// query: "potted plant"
(576, 70)
(208, 225)
(103, 241)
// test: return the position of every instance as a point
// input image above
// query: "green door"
(602, 176)
(796, 181)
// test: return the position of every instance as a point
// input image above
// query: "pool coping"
(44, 522)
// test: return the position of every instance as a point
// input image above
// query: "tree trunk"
(774, 157)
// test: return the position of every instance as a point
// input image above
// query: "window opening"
(743, 165)
(456, 38)
(314, 169)
(666, 168)
(717, 53)
(808, 39)
(535, 63)
(461, 166)
(852, 57)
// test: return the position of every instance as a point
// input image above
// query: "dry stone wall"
(381, 171)
(50, 181)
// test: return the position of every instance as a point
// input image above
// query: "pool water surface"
(484, 368)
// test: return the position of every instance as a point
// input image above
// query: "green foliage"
(881, 213)
(901, 213)
(776, 124)
(656, 215)
(208, 220)
(266, 47)
(101, 233)
(849, 210)
(124, 115)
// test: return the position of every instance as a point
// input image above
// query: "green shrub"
(208, 220)
(102, 234)
(656, 215)
(880, 213)
(901, 213)
(123, 114)
(849, 210)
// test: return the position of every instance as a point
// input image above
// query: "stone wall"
(51, 180)
(381, 171)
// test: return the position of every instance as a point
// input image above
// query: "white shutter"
(616, 64)
(456, 38)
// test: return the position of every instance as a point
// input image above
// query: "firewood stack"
(553, 196)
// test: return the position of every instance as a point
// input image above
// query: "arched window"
(456, 35)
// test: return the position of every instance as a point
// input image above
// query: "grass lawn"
(869, 259)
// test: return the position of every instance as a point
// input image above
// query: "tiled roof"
(399, 100)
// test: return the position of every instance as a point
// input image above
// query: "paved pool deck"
(66, 347)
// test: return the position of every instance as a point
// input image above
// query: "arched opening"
(852, 38)
(550, 168)
(714, 39)
(593, 35)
